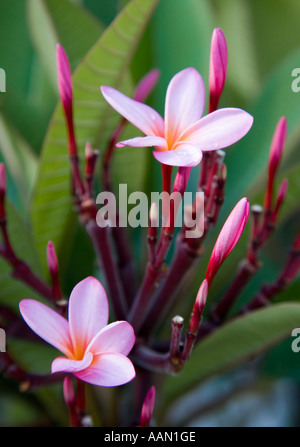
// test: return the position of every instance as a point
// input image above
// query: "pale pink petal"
(116, 337)
(72, 366)
(144, 142)
(140, 115)
(186, 155)
(108, 369)
(48, 324)
(219, 129)
(185, 100)
(88, 312)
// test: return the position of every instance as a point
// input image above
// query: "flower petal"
(186, 155)
(144, 142)
(140, 115)
(88, 313)
(72, 366)
(185, 100)
(48, 324)
(108, 369)
(116, 337)
(219, 129)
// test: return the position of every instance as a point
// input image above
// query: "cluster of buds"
(264, 220)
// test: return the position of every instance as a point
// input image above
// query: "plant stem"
(100, 239)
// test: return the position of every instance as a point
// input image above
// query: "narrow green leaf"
(250, 155)
(235, 343)
(243, 70)
(11, 290)
(19, 159)
(52, 22)
(106, 63)
(25, 77)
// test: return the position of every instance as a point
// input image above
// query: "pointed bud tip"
(217, 67)
(153, 214)
(146, 85)
(277, 145)
(64, 78)
(148, 407)
(52, 258)
(2, 179)
(68, 390)
(89, 153)
(228, 237)
(282, 193)
(202, 295)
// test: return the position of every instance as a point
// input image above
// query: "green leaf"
(52, 22)
(106, 63)
(181, 34)
(28, 97)
(12, 290)
(237, 342)
(19, 160)
(250, 155)
(243, 78)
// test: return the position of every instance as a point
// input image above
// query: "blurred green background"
(264, 48)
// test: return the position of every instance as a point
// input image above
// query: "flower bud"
(217, 67)
(2, 190)
(146, 85)
(198, 308)
(69, 393)
(228, 237)
(276, 151)
(64, 78)
(52, 259)
(148, 407)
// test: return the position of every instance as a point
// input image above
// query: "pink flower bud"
(146, 85)
(217, 67)
(91, 156)
(228, 237)
(280, 198)
(52, 259)
(277, 145)
(296, 244)
(148, 407)
(153, 215)
(198, 308)
(2, 179)
(2, 191)
(69, 393)
(276, 151)
(181, 179)
(64, 78)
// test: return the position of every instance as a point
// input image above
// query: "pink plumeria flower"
(94, 351)
(182, 135)
(228, 237)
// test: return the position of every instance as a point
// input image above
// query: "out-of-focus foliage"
(264, 48)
